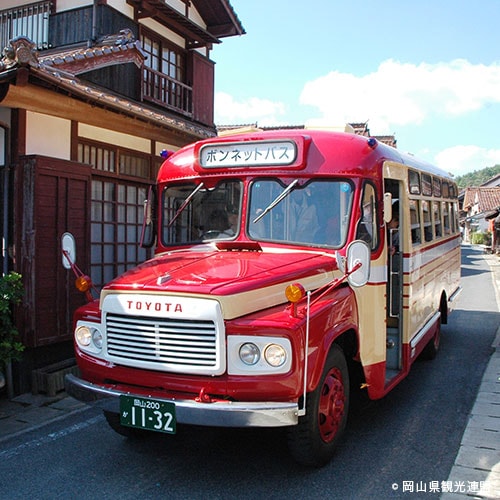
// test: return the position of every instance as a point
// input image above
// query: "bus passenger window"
(416, 237)
(427, 220)
(436, 211)
(446, 218)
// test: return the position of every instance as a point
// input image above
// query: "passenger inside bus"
(219, 225)
(303, 217)
(232, 215)
(393, 228)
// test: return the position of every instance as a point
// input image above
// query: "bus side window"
(427, 220)
(446, 218)
(416, 237)
(436, 209)
(367, 225)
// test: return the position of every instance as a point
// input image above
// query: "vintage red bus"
(286, 264)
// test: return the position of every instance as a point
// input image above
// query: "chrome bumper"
(217, 414)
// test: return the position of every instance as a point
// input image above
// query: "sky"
(426, 71)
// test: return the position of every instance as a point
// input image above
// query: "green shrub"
(11, 292)
(480, 238)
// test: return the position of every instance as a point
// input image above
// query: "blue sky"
(427, 72)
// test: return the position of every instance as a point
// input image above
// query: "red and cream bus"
(280, 274)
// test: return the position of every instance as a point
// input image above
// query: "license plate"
(146, 413)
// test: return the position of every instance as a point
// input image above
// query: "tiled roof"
(60, 69)
(484, 198)
(113, 49)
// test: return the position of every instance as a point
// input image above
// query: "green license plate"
(146, 413)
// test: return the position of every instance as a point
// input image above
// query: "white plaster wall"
(116, 138)
(164, 32)
(160, 146)
(122, 6)
(63, 5)
(48, 136)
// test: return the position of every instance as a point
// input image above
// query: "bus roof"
(295, 152)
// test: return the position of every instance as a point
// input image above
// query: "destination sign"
(248, 154)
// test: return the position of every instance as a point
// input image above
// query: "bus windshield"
(316, 213)
(193, 212)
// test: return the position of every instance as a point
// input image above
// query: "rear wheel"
(314, 440)
(431, 349)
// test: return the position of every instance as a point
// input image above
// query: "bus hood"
(222, 273)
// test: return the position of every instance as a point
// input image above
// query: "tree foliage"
(478, 177)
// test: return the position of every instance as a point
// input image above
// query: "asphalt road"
(413, 434)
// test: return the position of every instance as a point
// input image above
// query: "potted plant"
(11, 292)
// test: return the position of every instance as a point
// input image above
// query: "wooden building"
(91, 91)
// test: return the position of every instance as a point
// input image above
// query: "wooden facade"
(80, 137)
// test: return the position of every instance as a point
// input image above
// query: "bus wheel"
(313, 440)
(431, 349)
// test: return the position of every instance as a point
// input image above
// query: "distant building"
(478, 206)
(355, 128)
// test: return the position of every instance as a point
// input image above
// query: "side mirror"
(358, 263)
(68, 247)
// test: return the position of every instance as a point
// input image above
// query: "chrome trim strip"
(219, 414)
(455, 294)
(417, 338)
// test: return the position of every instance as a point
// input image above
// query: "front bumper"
(216, 414)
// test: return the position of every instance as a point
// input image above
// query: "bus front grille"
(162, 343)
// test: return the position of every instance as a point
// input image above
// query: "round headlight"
(83, 335)
(249, 353)
(275, 355)
(97, 339)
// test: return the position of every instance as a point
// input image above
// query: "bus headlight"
(83, 335)
(97, 339)
(89, 338)
(258, 355)
(275, 355)
(249, 353)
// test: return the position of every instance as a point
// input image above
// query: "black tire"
(431, 349)
(113, 420)
(313, 441)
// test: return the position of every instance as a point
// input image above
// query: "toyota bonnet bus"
(279, 277)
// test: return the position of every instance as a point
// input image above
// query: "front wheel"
(314, 439)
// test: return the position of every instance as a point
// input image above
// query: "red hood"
(222, 272)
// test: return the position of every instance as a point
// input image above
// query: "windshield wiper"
(185, 204)
(280, 197)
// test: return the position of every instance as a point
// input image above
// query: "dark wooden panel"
(55, 200)
(203, 89)
(75, 26)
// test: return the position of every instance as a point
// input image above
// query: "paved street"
(437, 431)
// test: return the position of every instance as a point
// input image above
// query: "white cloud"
(461, 160)
(228, 111)
(403, 93)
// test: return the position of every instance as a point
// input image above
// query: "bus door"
(394, 293)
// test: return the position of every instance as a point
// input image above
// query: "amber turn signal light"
(295, 292)
(83, 283)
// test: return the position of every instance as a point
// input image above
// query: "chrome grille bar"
(170, 342)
